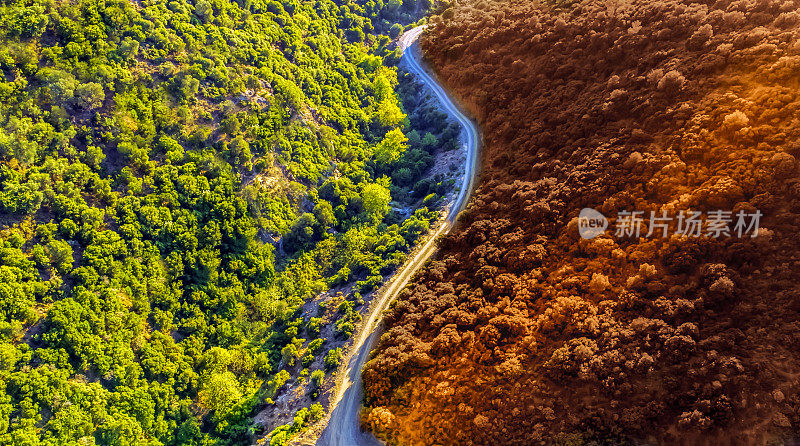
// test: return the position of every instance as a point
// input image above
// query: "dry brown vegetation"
(521, 332)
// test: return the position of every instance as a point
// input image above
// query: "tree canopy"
(177, 179)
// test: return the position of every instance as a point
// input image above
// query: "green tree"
(60, 255)
(220, 394)
(376, 199)
(290, 354)
(333, 358)
(323, 211)
(389, 113)
(429, 141)
(94, 156)
(89, 96)
(391, 148)
(240, 152)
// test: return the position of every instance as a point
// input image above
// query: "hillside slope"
(523, 332)
(193, 196)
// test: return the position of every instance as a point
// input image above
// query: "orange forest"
(520, 330)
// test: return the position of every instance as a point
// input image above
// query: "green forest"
(177, 178)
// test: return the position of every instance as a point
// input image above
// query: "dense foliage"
(521, 332)
(177, 179)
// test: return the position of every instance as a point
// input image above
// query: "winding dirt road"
(343, 424)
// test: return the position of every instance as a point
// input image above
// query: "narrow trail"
(343, 424)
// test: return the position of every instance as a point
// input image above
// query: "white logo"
(591, 223)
